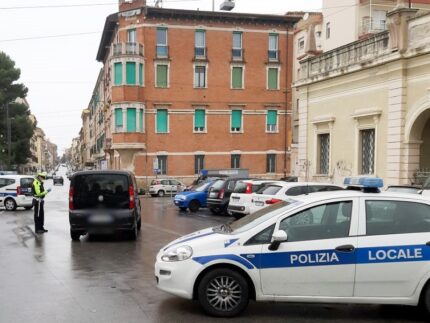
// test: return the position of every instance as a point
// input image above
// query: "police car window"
(6, 181)
(326, 221)
(262, 237)
(396, 217)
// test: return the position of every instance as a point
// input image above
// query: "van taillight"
(248, 188)
(273, 201)
(131, 193)
(71, 193)
(221, 194)
(18, 190)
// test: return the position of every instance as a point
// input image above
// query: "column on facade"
(124, 119)
(304, 163)
(138, 112)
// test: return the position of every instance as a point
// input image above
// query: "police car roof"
(320, 196)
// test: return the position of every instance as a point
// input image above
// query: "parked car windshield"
(252, 220)
(427, 183)
(101, 191)
(202, 186)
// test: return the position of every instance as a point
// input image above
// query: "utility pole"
(9, 144)
(213, 5)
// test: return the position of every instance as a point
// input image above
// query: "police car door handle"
(345, 248)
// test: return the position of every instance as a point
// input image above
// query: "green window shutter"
(131, 73)
(162, 75)
(118, 118)
(131, 120)
(141, 120)
(273, 78)
(237, 78)
(271, 117)
(199, 119)
(161, 121)
(236, 119)
(118, 73)
(140, 74)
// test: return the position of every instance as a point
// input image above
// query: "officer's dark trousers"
(39, 214)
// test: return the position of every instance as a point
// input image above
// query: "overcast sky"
(61, 72)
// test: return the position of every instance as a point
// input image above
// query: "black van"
(219, 194)
(104, 202)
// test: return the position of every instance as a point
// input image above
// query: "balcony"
(346, 58)
(237, 54)
(372, 26)
(162, 51)
(120, 49)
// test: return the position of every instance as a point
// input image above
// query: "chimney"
(125, 5)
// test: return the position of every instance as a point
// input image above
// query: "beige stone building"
(364, 108)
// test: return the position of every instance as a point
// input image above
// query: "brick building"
(186, 90)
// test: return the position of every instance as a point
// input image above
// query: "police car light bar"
(364, 182)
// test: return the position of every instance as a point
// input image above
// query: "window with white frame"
(235, 161)
(273, 47)
(162, 164)
(236, 121)
(199, 120)
(162, 48)
(324, 153)
(200, 76)
(301, 44)
(272, 121)
(237, 51)
(271, 163)
(367, 151)
(199, 163)
(200, 43)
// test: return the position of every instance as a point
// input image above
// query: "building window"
(162, 164)
(162, 121)
(301, 44)
(273, 47)
(327, 30)
(237, 51)
(200, 43)
(118, 121)
(235, 161)
(272, 121)
(200, 76)
(141, 74)
(272, 78)
(162, 48)
(271, 163)
(131, 120)
(162, 75)
(236, 120)
(131, 35)
(367, 151)
(118, 73)
(199, 163)
(130, 72)
(324, 153)
(237, 77)
(199, 120)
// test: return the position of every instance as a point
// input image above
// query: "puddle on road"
(24, 233)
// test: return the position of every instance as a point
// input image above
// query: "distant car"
(58, 180)
(219, 194)
(104, 202)
(195, 199)
(404, 189)
(16, 191)
(161, 187)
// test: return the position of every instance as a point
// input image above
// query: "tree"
(21, 127)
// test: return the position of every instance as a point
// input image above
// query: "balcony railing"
(200, 52)
(119, 49)
(237, 54)
(340, 58)
(372, 26)
(273, 55)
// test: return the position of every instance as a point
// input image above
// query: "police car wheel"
(425, 300)
(223, 293)
(10, 205)
(194, 206)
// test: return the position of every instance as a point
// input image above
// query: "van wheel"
(194, 206)
(10, 205)
(75, 235)
(161, 193)
(139, 224)
(223, 292)
(132, 234)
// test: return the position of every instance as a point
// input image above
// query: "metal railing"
(162, 51)
(237, 54)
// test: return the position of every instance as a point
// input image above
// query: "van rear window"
(26, 182)
(101, 191)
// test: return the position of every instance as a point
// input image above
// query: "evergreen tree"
(21, 127)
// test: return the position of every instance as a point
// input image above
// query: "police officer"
(39, 194)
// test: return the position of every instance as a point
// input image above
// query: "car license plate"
(235, 198)
(101, 219)
(213, 195)
(258, 203)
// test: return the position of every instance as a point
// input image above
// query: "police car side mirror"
(277, 238)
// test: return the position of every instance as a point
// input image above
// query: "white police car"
(334, 247)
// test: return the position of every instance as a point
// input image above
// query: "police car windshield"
(252, 220)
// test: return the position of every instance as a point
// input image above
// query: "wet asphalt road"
(49, 278)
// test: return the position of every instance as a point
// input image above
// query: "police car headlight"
(177, 254)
